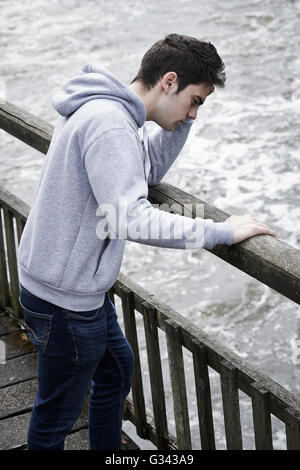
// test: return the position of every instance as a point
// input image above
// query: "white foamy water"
(242, 155)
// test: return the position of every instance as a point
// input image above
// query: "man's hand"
(246, 226)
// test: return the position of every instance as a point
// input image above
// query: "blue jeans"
(77, 352)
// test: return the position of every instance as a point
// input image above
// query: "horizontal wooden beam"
(25, 126)
(263, 257)
(12, 203)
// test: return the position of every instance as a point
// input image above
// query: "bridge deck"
(18, 384)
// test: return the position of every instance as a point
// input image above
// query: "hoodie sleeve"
(163, 149)
(114, 164)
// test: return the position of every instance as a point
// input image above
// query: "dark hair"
(193, 61)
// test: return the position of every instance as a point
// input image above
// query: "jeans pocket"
(86, 316)
(89, 333)
(38, 327)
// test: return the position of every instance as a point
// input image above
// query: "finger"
(265, 230)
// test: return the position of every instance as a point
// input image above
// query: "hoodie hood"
(95, 82)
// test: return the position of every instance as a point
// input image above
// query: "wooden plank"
(203, 394)
(156, 377)
(112, 296)
(137, 382)
(17, 343)
(231, 408)
(17, 399)
(14, 431)
(152, 431)
(263, 257)
(77, 439)
(293, 430)
(12, 264)
(14, 204)
(20, 227)
(183, 433)
(261, 418)
(17, 370)
(4, 288)
(25, 126)
(7, 325)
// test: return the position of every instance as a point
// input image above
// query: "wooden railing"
(269, 260)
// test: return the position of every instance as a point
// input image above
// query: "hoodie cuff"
(223, 233)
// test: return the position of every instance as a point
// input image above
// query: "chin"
(168, 127)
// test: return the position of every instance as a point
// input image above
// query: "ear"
(169, 82)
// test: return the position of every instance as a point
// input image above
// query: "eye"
(196, 102)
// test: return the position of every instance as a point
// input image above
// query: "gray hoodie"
(92, 194)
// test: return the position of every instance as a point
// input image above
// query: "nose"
(193, 112)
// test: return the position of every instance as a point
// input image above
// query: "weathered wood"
(152, 431)
(137, 382)
(261, 417)
(20, 227)
(25, 126)
(203, 394)
(156, 377)
(231, 407)
(17, 370)
(280, 398)
(183, 433)
(293, 430)
(17, 399)
(111, 296)
(12, 263)
(263, 257)
(14, 422)
(4, 288)
(7, 325)
(14, 204)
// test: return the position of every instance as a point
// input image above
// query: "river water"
(242, 155)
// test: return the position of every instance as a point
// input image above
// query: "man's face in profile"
(176, 108)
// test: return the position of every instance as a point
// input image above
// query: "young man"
(91, 197)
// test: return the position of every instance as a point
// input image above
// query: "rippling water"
(242, 156)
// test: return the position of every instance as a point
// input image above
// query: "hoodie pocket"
(109, 264)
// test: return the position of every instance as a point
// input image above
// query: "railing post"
(293, 430)
(261, 418)
(183, 433)
(12, 263)
(111, 295)
(205, 415)
(156, 377)
(230, 397)
(20, 227)
(137, 382)
(4, 288)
